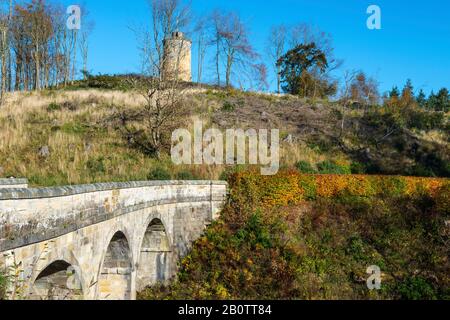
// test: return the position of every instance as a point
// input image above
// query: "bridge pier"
(104, 241)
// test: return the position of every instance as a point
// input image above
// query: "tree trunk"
(217, 60)
(37, 80)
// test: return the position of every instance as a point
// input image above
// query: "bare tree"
(203, 42)
(59, 56)
(349, 77)
(217, 20)
(88, 27)
(41, 31)
(43, 50)
(167, 16)
(73, 51)
(276, 45)
(364, 90)
(5, 43)
(260, 72)
(149, 128)
(232, 42)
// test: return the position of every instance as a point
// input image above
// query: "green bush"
(425, 120)
(416, 288)
(358, 168)
(331, 167)
(229, 171)
(185, 176)
(96, 166)
(3, 284)
(228, 106)
(159, 174)
(305, 167)
(54, 107)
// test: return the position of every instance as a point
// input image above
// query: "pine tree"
(395, 93)
(443, 100)
(408, 99)
(422, 99)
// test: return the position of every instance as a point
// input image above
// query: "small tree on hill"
(422, 99)
(300, 72)
(392, 98)
(149, 127)
(363, 90)
(408, 99)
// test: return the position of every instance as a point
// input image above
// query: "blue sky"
(414, 41)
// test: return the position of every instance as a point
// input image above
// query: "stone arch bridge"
(102, 241)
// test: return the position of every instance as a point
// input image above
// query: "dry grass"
(291, 154)
(82, 148)
(435, 136)
(81, 151)
(85, 148)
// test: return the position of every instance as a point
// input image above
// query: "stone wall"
(13, 183)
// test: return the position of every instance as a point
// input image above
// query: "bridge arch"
(115, 274)
(56, 276)
(155, 255)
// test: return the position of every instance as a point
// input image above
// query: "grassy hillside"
(77, 129)
(274, 244)
(71, 136)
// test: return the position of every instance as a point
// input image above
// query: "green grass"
(3, 284)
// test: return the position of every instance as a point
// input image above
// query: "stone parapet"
(30, 216)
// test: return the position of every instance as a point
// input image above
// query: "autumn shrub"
(292, 187)
(442, 198)
(230, 171)
(285, 247)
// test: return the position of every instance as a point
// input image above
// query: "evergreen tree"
(394, 93)
(432, 101)
(301, 69)
(443, 100)
(408, 87)
(422, 99)
(408, 99)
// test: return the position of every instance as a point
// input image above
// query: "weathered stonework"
(177, 58)
(13, 183)
(101, 241)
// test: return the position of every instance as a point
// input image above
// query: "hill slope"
(70, 137)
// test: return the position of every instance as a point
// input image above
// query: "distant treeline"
(37, 49)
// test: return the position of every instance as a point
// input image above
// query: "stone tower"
(177, 58)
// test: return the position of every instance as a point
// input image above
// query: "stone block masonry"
(13, 183)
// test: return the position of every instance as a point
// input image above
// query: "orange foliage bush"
(291, 187)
